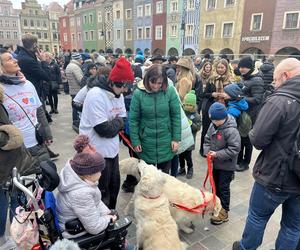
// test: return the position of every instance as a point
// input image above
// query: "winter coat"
(13, 152)
(278, 120)
(267, 70)
(195, 118)
(155, 121)
(55, 72)
(253, 89)
(235, 108)
(171, 72)
(34, 70)
(74, 75)
(198, 87)
(225, 140)
(79, 199)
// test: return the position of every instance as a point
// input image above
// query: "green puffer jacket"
(154, 122)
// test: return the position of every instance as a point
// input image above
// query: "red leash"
(126, 140)
(201, 208)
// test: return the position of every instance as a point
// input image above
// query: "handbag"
(54, 85)
(38, 127)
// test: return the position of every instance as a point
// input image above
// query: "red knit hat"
(121, 72)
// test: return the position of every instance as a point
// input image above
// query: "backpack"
(291, 156)
(244, 124)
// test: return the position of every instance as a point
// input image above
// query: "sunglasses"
(120, 84)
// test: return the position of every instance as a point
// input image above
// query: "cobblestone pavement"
(205, 236)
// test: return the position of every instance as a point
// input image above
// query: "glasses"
(120, 84)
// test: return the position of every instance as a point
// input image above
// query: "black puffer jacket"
(253, 90)
(277, 120)
(267, 70)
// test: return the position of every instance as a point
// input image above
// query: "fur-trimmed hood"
(1, 94)
(15, 137)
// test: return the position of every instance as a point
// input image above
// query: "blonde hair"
(185, 73)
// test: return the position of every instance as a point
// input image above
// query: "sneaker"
(181, 171)
(75, 128)
(51, 111)
(189, 174)
(242, 167)
(8, 244)
(55, 111)
(236, 245)
(221, 218)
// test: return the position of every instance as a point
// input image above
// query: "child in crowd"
(79, 195)
(190, 108)
(223, 143)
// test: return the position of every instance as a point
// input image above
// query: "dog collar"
(151, 198)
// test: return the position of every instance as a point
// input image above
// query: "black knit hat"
(234, 91)
(246, 62)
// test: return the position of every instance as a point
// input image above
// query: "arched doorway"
(228, 52)
(189, 52)
(128, 51)
(147, 52)
(158, 51)
(207, 51)
(119, 51)
(288, 52)
(173, 52)
(256, 52)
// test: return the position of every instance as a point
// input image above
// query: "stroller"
(39, 204)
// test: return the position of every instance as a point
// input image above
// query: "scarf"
(13, 80)
(247, 76)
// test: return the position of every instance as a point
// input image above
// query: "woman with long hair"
(213, 92)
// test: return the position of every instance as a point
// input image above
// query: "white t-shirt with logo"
(101, 106)
(25, 94)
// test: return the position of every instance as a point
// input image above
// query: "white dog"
(156, 228)
(177, 192)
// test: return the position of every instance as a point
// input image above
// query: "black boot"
(236, 245)
(181, 171)
(190, 173)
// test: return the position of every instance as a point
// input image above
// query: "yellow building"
(221, 26)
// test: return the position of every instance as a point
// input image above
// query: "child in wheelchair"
(78, 192)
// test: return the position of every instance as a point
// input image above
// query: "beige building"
(221, 26)
(54, 11)
(10, 32)
(34, 20)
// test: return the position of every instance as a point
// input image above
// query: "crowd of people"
(237, 103)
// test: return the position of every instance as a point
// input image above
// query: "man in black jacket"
(275, 183)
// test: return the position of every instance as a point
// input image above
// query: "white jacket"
(74, 75)
(78, 199)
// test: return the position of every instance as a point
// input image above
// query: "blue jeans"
(3, 209)
(174, 166)
(75, 117)
(263, 203)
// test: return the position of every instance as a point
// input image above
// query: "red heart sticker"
(219, 136)
(25, 100)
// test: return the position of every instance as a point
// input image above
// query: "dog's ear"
(144, 186)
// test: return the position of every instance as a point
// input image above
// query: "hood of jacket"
(229, 123)
(69, 180)
(266, 67)
(241, 104)
(22, 51)
(142, 87)
(103, 83)
(1, 94)
(291, 86)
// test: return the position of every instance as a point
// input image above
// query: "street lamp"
(183, 25)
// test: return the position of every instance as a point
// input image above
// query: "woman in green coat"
(155, 120)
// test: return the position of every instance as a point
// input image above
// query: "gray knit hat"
(76, 56)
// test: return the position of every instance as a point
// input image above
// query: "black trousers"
(246, 150)
(165, 166)
(186, 156)
(109, 183)
(222, 180)
(53, 99)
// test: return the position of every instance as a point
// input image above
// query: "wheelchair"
(113, 237)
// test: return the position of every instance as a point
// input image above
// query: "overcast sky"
(17, 3)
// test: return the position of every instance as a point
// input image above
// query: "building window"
(41, 47)
(139, 33)
(209, 31)
(227, 30)
(92, 35)
(72, 23)
(100, 34)
(24, 22)
(256, 22)
(291, 20)
(147, 32)
(73, 37)
(211, 4)
(84, 19)
(174, 30)
(118, 35)
(31, 23)
(79, 36)
(44, 24)
(159, 7)
(108, 35)
(148, 10)
(99, 17)
(139, 11)
(128, 14)
(45, 36)
(14, 23)
(1, 34)
(91, 18)
(15, 35)
(47, 47)
(36, 12)
(30, 12)
(8, 35)
(118, 14)
(107, 15)
(53, 26)
(38, 23)
(191, 4)
(174, 6)
(39, 35)
(54, 35)
(64, 23)
(189, 30)
(229, 3)
(1, 22)
(86, 36)
(6, 23)
(78, 21)
(128, 34)
(158, 32)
